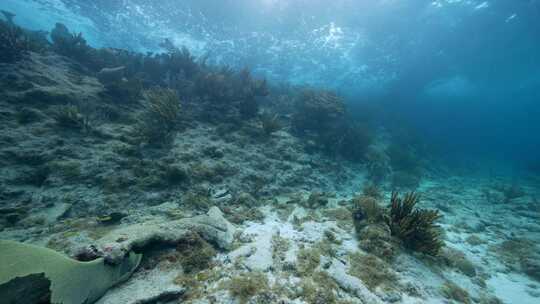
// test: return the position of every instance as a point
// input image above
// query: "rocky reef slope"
(245, 212)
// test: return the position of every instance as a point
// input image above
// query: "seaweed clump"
(307, 261)
(372, 229)
(195, 253)
(244, 287)
(319, 288)
(371, 270)
(416, 228)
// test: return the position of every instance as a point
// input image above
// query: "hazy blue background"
(464, 74)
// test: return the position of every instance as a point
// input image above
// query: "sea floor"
(288, 234)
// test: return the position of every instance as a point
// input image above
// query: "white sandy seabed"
(467, 214)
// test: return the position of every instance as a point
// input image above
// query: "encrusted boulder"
(212, 227)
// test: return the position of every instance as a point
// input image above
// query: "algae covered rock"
(212, 227)
(32, 274)
(352, 284)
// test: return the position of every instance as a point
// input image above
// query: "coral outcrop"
(16, 42)
(212, 227)
(160, 116)
(318, 111)
(71, 45)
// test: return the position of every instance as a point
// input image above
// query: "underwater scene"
(269, 151)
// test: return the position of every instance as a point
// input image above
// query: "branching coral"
(270, 123)
(12, 42)
(179, 61)
(161, 112)
(15, 42)
(224, 91)
(316, 110)
(70, 45)
(416, 228)
(248, 90)
(164, 106)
